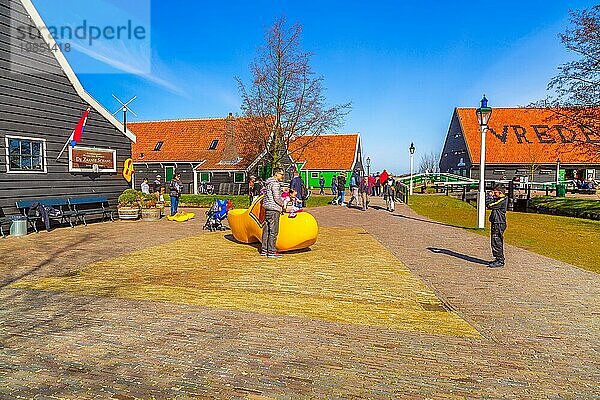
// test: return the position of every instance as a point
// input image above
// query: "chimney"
(230, 153)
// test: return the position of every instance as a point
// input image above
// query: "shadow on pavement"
(458, 255)
(257, 245)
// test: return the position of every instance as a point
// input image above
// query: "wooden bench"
(83, 207)
(33, 216)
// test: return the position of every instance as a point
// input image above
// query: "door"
(169, 173)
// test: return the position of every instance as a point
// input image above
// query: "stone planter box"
(129, 213)
(151, 214)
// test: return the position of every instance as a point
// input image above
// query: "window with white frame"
(239, 177)
(204, 176)
(25, 155)
(314, 175)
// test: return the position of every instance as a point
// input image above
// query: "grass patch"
(572, 240)
(580, 208)
(206, 201)
(318, 201)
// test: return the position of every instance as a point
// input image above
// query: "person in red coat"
(383, 177)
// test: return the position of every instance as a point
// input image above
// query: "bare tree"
(533, 161)
(576, 98)
(429, 163)
(286, 94)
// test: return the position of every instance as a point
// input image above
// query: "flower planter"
(129, 213)
(151, 214)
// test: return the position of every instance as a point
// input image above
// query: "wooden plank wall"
(38, 101)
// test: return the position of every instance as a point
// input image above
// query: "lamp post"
(483, 116)
(557, 173)
(368, 176)
(411, 149)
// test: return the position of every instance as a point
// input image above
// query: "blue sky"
(404, 65)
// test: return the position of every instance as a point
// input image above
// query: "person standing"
(334, 186)
(354, 183)
(297, 185)
(377, 186)
(388, 194)
(251, 184)
(157, 184)
(273, 205)
(498, 203)
(364, 193)
(371, 181)
(341, 188)
(321, 185)
(383, 179)
(145, 187)
(175, 190)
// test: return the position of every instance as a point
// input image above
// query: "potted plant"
(129, 205)
(151, 209)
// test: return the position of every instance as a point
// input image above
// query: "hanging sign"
(85, 159)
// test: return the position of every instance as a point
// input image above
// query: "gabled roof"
(529, 136)
(326, 152)
(66, 67)
(190, 141)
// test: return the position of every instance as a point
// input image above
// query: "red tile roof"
(529, 136)
(189, 141)
(326, 152)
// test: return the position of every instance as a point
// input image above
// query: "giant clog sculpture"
(294, 233)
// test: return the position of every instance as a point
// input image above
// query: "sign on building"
(84, 159)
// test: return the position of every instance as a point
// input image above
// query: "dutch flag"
(79, 129)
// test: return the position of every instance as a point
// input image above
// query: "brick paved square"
(348, 277)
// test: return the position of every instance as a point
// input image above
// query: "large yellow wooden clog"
(294, 233)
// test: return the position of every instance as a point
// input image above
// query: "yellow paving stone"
(347, 277)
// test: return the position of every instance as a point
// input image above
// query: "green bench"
(91, 206)
(33, 216)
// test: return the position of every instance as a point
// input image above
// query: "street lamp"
(557, 173)
(411, 149)
(483, 116)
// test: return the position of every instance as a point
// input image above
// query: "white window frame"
(44, 155)
(239, 172)
(314, 175)
(200, 173)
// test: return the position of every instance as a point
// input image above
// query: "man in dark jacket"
(297, 185)
(497, 202)
(175, 190)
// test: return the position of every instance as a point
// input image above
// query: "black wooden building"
(41, 102)
(533, 144)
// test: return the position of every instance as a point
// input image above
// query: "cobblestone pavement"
(538, 319)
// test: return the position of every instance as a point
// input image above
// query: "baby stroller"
(216, 215)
